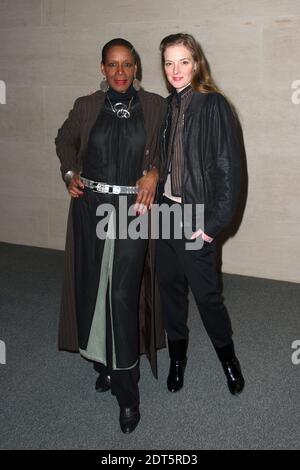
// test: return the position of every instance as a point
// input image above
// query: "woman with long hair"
(200, 165)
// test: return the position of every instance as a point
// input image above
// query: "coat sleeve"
(161, 111)
(227, 166)
(68, 140)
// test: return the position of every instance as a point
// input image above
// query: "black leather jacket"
(211, 169)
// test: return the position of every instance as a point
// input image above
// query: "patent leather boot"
(235, 379)
(177, 352)
(232, 368)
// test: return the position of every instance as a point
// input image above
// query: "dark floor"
(48, 399)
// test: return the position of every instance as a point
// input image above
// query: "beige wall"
(49, 53)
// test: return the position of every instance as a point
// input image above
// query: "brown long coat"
(71, 146)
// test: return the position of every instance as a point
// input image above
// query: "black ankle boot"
(232, 368)
(235, 379)
(177, 352)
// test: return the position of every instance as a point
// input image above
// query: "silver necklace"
(121, 110)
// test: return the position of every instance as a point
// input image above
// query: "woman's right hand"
(75, 187)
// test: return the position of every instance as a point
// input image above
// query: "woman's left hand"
(146, 191)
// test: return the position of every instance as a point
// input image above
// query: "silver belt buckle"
(102, 187)
(116, 189)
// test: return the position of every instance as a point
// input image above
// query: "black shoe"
(177, 352)
(103, 383)
(129, 419)
(176, 375)
(235, 379)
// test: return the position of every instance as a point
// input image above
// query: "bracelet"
(69, 176)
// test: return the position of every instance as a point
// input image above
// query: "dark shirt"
(116, 145)
(179, 104)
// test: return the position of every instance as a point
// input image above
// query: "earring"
(136, 84)
(104, 86)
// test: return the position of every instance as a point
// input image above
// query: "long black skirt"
(110, 265)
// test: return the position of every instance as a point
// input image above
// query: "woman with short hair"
(108, 148)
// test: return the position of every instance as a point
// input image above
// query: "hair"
(119, 42)
(202, 80)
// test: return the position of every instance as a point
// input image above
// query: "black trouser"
(124, 382)
(178, 268)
